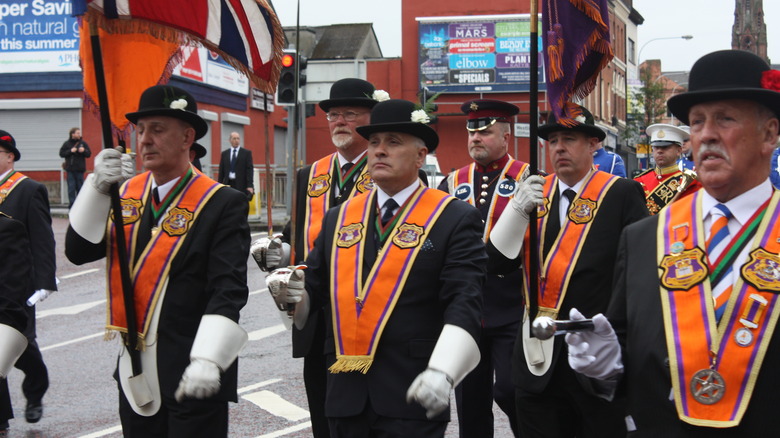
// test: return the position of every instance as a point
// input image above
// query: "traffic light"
(293, 66)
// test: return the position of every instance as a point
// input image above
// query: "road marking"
(258, 385)
(103, 432)
(68, 310)
(78, 274)
(276, 405)
(256, 335)
(259, 291)
(72, 341)
(287, 431)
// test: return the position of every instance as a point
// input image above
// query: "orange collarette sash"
(714, 366)
(318, 196)
(559, 265)
(462, 187)
(150, 272)
(10, 183)
(361, 310)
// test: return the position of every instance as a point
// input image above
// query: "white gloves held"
(528, 195)
(431, 389)
(112, 166)
(200, 380)
(270, 252)
(38, 296)
(595, 354)
(286, 285)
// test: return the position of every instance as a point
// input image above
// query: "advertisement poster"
(205, 66)
(38, 36)
(477, 54)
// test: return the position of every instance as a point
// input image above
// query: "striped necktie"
(716, 243)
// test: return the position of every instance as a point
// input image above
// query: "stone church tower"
(749, 30)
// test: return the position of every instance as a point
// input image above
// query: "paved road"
(82, 399)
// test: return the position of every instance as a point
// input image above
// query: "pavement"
(257, 223)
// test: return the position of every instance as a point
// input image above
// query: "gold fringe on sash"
(345, 364)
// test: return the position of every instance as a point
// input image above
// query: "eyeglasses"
(349, 116)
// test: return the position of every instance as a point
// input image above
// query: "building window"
(630, 51)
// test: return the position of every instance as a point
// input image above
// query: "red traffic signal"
(288, 60)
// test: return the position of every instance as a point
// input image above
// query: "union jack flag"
(247, 33)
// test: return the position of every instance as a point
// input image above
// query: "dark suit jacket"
(636, 315)
(302, 339)
(243, 169)
(15, 264)
(207, 276)
(590, 286)
(29, 204)
(443, 287)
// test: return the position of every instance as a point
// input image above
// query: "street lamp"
(639, 58)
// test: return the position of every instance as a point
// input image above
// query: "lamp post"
(639, 58)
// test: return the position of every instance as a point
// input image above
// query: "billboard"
(477, 54)
(207, 67)
(38, 36)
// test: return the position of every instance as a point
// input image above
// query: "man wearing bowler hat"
(197, 151)
(581, 213)
(489, 184)
(665, 182)
(27, 201)
(187, 239)
(15, 266)
(691, 332)
(399, 270)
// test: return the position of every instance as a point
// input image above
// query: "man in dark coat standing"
(188, 241)
(28, 202)
(489, 184)
(695, 344)
(581, 213)
(403, 310)
(235, 167)
(75, 151)
(15, 266)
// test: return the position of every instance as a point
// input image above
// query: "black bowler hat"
(167, 100)
(584, 123)
(200, 150)
(396, 115)
(728, 74)
(7, 141)
(350, 92)
(483, 113)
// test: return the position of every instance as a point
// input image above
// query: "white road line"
(276, 405)
(72, 341)
(103, 432)
(68, 310)
(78, 274)
(256, 335)
(259, 291)
(258, 385)
(287, 431)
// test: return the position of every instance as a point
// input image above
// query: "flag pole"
(533, 264)
(269, 179)
(108, 142)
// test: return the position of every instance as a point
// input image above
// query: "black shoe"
(33, 412)
(4, 429)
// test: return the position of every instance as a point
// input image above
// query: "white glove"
(270, 252)
(286, 285)
(528, 195)
(596, 354)
(38, 296)
(431, 389)
(200, 380)
(112, 166)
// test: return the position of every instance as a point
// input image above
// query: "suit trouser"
(369, 424)
(476, 393)
(188, 419)
(315, 379)
(565, 410)
(6, 410)
(36, 376)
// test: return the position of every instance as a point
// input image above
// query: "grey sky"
(709, 21)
